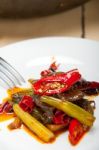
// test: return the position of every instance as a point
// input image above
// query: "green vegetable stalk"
(70, 109)
(34, 125)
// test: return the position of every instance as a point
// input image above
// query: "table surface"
(63, 24)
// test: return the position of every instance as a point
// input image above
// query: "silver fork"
(9, 77)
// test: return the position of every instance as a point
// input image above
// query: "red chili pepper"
(56, 83)
(5, 107)
(27, 104)
(60, 118)
(94, 84)
(46, 73)
(76, 131)
(2, 106)
(53, 67)
(8, 108)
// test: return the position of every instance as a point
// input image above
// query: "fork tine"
(4, 84)
(2, 73)
(9, 74)
(14, 72)
(6, 80)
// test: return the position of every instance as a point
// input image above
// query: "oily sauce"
(31, 133)
(57, 133)
(4, 117)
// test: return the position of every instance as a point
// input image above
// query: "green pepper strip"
(70, 109)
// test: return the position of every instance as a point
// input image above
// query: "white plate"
(29, 58)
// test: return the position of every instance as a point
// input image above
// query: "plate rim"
(49, 38)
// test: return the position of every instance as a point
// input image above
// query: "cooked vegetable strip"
(5, 117)
(20, 91)
(76, 131)
(39, 129)
(54, 127)
(15, 124)
(70, 109)
(56, 83)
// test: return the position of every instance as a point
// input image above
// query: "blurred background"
(82, 21)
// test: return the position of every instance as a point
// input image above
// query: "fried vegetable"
(31, 81)
(54, 127)
(33, 124)
(61, 118)
(71, 95)
(41, 116)
(57, 83)
(20, 91)
(47, 111)
(15, 124)
(16, 97)
(87, 105)
(88, 87)
(37, 113)
(14, 90)
(76, 131)
(6, 107)
(70, 109)
(5, 117)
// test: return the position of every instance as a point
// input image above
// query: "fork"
(9, 76)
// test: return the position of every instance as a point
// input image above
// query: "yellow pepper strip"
(14, 90)
(70, 109)
(5, 117)
(17, 90)
(54, 127)
(34, 125)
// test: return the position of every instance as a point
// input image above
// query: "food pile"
(56, 101)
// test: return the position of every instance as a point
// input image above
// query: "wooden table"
(63, 24)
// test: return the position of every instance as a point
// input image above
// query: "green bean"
(33, 124)
(70, 109)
